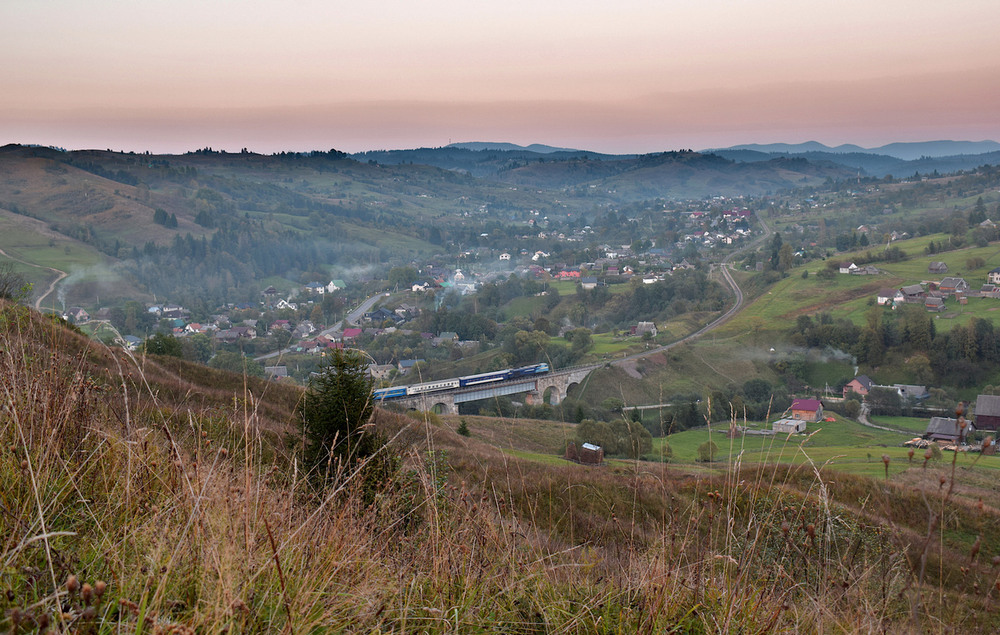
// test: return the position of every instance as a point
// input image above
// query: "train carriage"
(382, 394)
(431, 386)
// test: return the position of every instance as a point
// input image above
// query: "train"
(383, 394)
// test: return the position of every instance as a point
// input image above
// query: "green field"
(916, 425)
(843, 445)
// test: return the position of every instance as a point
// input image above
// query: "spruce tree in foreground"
(336, 410)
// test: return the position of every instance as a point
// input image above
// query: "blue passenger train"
(383, 394)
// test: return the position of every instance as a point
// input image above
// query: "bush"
(163, 344)
(852, 408)
(707, 451)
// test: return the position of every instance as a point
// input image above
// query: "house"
(860, 385)
(132, 342)
(315, 288)
(911, 393)
(847, 267)
(505, 257)
(946, 429)
(934, 304)
(76, 315)
(380, 315)
(351, 334)
(275, 372)
(406, 365)
(245, 332)
(993, 277)
(642, 328)
(937, 267)
(335, 285)
(588, 283)
(807, 409)
(913, 293)
(952, 284)
(587, 453)
(380, 371)
(987, 412)
(885, 296)
(788, 426)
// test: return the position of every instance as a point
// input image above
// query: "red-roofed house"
(350, 334)
(807, 410)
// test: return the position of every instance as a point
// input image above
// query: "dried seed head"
(943, 479)
(24, 465)
(204, 434)
(72, 584)
(99, 588)
(86, 593)
(928, 454)
(811, 530)
(11, 596)
(987, 442)
(910, 454)
(785, 527)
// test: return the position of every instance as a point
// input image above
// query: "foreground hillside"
(141, 497)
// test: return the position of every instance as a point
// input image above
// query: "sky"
(625, 76)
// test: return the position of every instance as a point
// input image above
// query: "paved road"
(352, 318)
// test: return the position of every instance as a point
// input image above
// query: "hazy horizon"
(636, 77)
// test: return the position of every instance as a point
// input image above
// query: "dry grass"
(185, 505)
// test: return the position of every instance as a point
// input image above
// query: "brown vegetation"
(180, 497)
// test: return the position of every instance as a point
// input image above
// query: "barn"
(988, 412)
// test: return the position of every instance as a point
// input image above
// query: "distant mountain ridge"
(540, 148)
(907, 151)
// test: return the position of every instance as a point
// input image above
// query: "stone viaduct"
(551, 387)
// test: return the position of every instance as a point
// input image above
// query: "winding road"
(52, 286)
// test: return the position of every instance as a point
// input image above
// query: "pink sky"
(631, 76)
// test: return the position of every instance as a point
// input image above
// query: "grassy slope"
(849, 296)
(183, 498)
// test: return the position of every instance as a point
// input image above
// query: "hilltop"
(177, 494)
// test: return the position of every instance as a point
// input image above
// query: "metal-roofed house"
(807, 409)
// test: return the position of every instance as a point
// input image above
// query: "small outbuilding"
(788, 426)
(587, 453)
